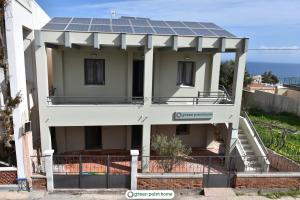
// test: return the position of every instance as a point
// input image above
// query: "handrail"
(222, 87)
(255, 132)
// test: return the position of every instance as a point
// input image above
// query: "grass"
(279, 132)
(278, 194)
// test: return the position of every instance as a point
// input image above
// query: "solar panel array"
(136, 25)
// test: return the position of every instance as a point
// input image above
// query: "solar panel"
(77, 27)
(175, 24)
(55, 27)
(183, 31)
(158, 23)
(210, 25)
(142, 29)
(136, 25)
(122, 29)
(81, 21)
(101, 28)
(164, 31)
(222, 33)
(139, 22)
(193, 24)
(203, 32)
(63, 20)
(101, 21)
(121, 22)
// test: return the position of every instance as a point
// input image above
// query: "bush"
(171, 149)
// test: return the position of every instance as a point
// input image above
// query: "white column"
(146, 147)
(134, 168)
(215, 72)
(148, 75)
(48, 155)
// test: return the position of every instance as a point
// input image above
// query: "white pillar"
(215, 72)
(134, 168)
(146, 147)
(148, 75)
(48, 155)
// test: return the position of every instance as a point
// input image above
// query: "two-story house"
(108, 85)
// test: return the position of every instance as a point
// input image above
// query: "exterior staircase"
(251, 160)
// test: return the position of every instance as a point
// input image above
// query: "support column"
(134, 168)
(48, 155)
(215, 72)
(148, 75)
(146, 147)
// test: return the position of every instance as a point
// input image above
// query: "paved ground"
(114, 195)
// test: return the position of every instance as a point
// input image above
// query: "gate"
(221, 176)
(87, 171)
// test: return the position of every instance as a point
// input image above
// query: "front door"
(136, 136)
(138, 78)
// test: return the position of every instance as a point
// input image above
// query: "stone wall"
(169, 183)
(282, 163)
(8, 177)
(256, 181)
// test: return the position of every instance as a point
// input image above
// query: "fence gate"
(82, 171)
(215, 175)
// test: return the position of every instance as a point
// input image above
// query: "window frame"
(180, 80)
(98, 131)
(85, 72)
(181, 132)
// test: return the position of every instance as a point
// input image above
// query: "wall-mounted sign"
(192, 115)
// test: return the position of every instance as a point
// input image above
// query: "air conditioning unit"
(27, 127)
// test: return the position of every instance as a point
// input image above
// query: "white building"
(22, 17)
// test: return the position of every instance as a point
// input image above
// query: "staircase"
(251, 160)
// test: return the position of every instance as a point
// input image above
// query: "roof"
(135, 25)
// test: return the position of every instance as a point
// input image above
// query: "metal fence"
(38, 165)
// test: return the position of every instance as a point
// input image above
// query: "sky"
(269, 24)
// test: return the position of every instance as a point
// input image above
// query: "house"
(108, 85)
(21, 18)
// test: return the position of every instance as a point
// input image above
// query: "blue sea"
(282, 70)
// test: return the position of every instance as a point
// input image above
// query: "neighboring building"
(252, 87)
(257, 79)
(22, 17)
(110, 84)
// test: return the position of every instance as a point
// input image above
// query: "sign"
(192, 115)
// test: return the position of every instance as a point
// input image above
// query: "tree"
(227, 73)
(269, 77)
(171, 150)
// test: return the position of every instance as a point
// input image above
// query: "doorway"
(138, 78)
(136, 136)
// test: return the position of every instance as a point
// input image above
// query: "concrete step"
(219, 192)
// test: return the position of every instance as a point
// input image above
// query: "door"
(136, 136)
(138, 78)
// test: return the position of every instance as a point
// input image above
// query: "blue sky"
(268, 23)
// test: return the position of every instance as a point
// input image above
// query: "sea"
(281, 70)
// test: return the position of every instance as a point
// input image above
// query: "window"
(185, 73)
(94, 71)
(93, 137)
(182, 129)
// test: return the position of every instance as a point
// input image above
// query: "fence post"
(49, 168)
(134, 168)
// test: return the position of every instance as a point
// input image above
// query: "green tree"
(171, 150)
(227, 73)
(269, 77)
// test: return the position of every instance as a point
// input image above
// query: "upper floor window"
(94, 71)
(185, 73)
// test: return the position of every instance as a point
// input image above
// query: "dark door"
(138, 78)
(136, 136)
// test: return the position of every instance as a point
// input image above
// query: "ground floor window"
(182, 129)
(93, 137)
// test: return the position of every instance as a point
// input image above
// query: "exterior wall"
(196, 138)
(73, 139)
(168, 183)
(20, 14)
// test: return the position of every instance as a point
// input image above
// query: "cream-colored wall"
(73, 138)
(195, 138)
(167, 72)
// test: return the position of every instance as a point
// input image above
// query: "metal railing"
(94, 100)
(38, 165)
(255, 133)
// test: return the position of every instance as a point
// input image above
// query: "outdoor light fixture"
(187, 58)
(94, 54)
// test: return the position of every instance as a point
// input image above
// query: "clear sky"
(268, 23)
